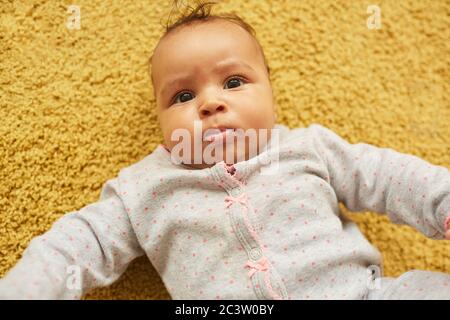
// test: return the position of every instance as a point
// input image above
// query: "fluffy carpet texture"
(77, 104)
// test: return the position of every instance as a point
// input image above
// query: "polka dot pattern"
(214, 233)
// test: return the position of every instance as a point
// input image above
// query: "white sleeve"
(365, 177)
(82, 250)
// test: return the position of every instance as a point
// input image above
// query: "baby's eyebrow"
(220, 66)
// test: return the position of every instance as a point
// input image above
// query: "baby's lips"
(216, 134)
(207, 136)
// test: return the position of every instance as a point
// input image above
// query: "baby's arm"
(410, 190)
(83, 250)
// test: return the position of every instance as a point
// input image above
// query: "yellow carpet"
(76, 106)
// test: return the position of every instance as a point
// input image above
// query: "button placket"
(257, 263)
(255, 254)
(249, 245)
(235, 192)
(235, 205)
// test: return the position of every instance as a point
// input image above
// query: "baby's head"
(211, 69)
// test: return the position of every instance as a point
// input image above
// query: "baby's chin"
(230, 150)
(231, 153)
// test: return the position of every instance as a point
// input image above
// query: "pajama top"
(240, 231)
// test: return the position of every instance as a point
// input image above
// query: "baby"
(231, 229)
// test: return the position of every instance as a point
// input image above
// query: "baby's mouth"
(218, 134)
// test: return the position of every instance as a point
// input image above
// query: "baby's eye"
(234, 82)
(183, 97)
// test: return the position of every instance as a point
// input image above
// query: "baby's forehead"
(171, 45)
(214, 28)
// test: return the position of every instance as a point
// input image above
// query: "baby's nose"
(211, 108)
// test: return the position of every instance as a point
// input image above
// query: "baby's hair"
(201, 12)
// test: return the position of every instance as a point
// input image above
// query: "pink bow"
(241, 199)
(261, 265)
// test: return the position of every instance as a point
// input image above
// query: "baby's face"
(212, 72)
